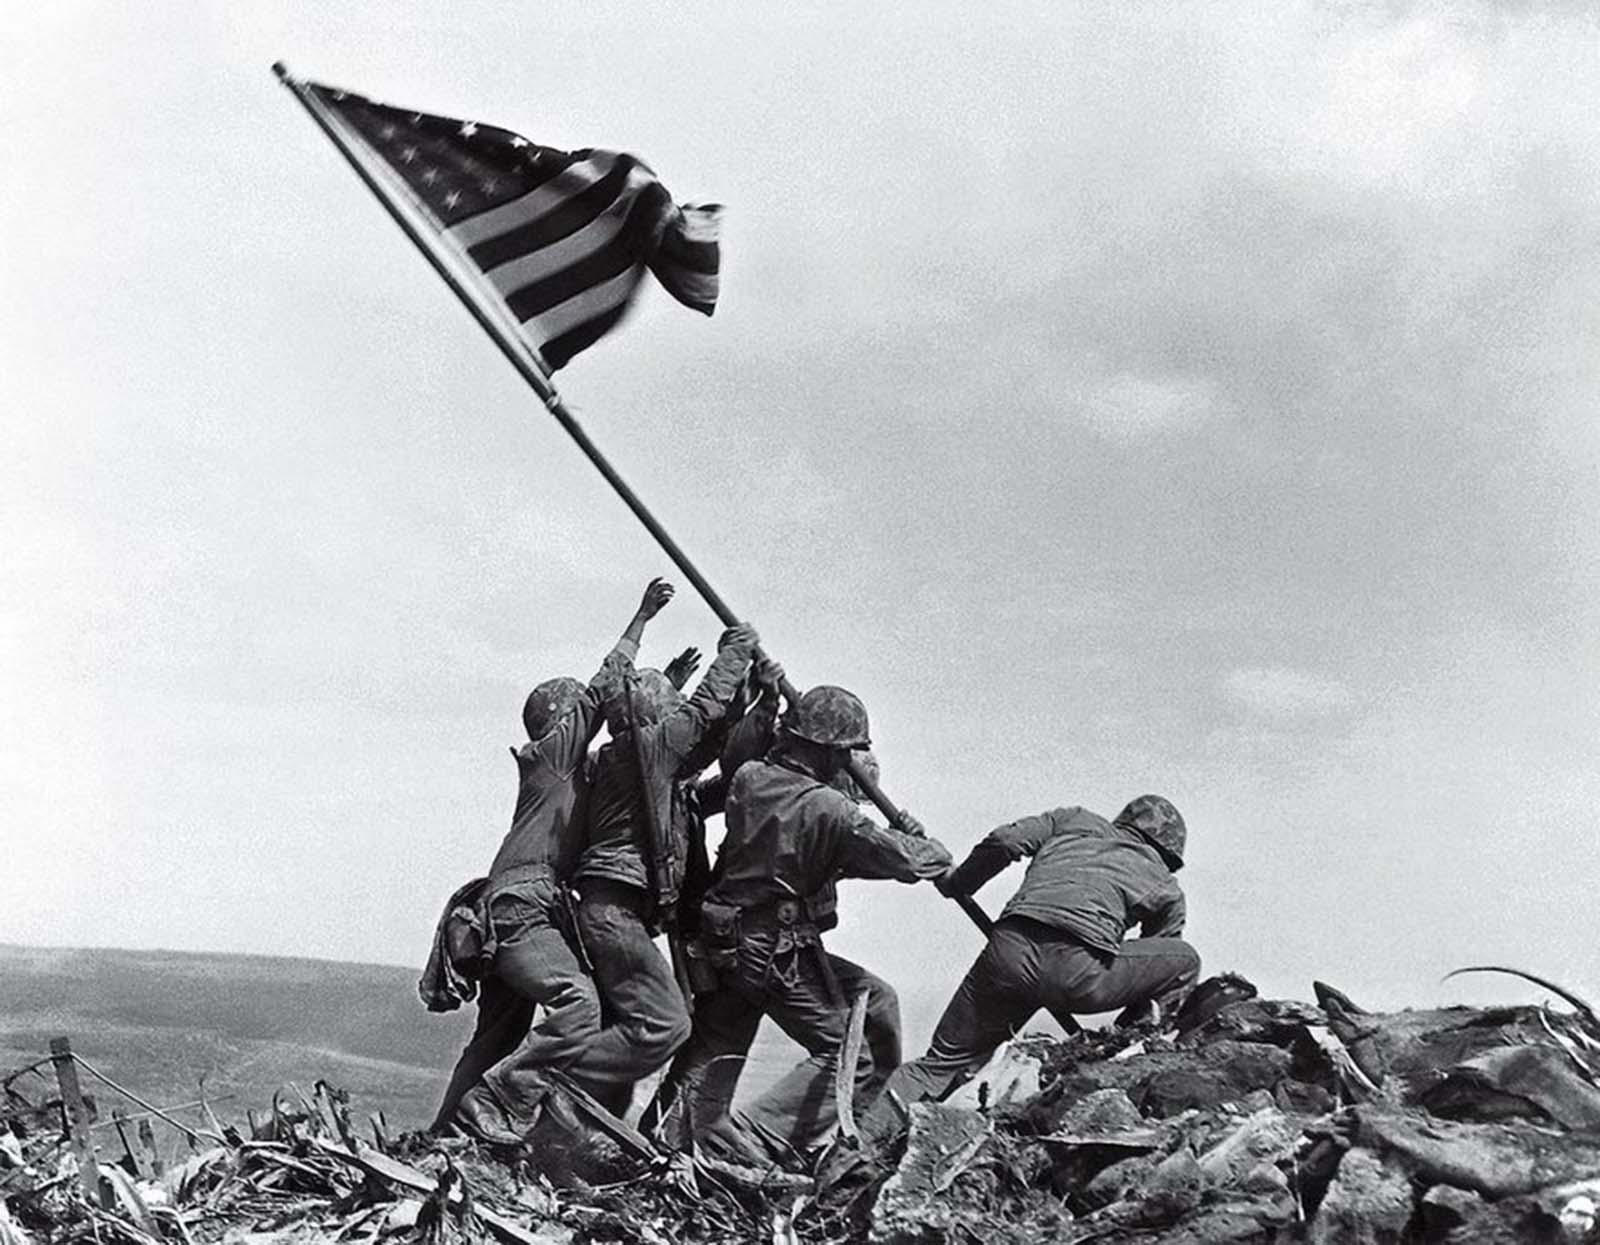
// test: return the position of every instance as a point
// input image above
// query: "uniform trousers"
(783, 972)
(534, 967)
(645, 1017)
(1026, 966)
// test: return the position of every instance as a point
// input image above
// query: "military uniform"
(628, 884)
(529, 924)
(704, 1077)
(1059, 943)
(789, 837)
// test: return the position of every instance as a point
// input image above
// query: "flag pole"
(531, 368)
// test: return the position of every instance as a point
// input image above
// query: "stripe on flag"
(559, 239)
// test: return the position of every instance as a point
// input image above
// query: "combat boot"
(483, 1117)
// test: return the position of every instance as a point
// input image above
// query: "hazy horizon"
(1147, 397)
(245, 1024)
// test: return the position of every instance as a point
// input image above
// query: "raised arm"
(567, 744)
(656, 595)
(614, 669)
(688, 723)
(757, 727)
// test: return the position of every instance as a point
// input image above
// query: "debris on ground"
(1253, 1120)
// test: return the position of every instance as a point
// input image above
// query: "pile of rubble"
(1272, 1121)
(1255, 1120)
(301, 1174)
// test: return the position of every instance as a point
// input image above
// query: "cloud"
(1181, 387)
(1282, 692)
(1130, 406)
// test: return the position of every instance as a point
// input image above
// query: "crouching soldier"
(496, 1086)
(634, 862)
(1059, 942)
(790, 835)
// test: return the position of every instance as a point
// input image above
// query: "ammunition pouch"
(780, 935)
(721, 928)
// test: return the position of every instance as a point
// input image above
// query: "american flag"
(561, 239)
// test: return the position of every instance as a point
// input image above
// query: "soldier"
(525, 910)
(704, 1076)
(1059, 942)
(790, 836)
(635, 859)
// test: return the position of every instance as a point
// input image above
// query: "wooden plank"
(408, 1177)
(77, 1119)
(844, 1074)
(119, 1119)
(621, 1132)
(147, 1139)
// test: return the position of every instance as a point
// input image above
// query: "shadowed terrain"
(158, 1021)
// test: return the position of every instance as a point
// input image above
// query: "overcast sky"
(1121, 397)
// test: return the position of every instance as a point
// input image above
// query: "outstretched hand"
(656, 595)
(682, 667)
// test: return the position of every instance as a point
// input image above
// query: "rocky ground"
(1254, 1120)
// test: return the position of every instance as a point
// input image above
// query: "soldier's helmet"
(830, 716)
(654, 698)
(548, 703)
(846, 783)
(1159, 824)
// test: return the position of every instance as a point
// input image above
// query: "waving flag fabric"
(561, 239)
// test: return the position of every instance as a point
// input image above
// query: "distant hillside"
(159, 1020)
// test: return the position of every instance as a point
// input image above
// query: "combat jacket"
(791, 836)
(546, 833)
(1088, 877)
(617, 838)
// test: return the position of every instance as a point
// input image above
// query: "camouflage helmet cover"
(548, 703)
(830, 716)
(654, 697)
(1159, 824)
